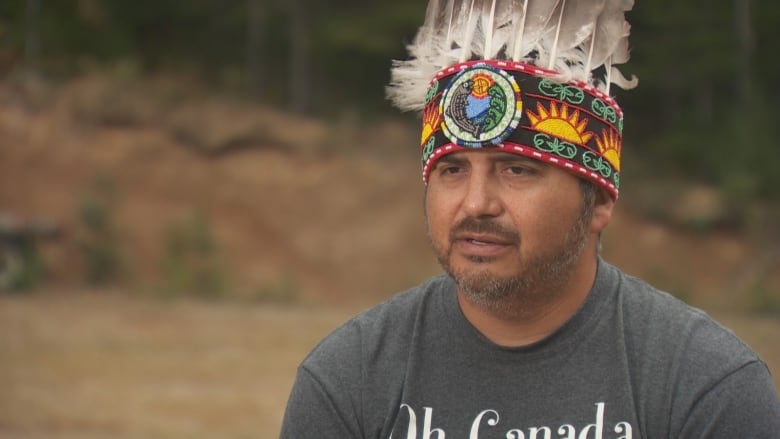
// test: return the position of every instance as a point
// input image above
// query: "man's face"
(502, 224)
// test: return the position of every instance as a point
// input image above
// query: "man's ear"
(603, 205)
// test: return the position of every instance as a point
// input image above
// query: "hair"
(589, 193)
(588, 189)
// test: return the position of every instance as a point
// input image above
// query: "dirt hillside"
(325, 211)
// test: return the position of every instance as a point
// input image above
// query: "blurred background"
(192, 194)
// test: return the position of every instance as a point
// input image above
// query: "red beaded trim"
(533, 70)
(530, 153)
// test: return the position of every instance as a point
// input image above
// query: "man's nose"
(481, 197)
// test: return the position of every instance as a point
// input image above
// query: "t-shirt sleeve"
(743, 404)
(312, 412)
(351, 382)
(694, 378)
(325, 401)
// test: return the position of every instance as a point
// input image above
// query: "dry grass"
(112, 366)
(116, 366)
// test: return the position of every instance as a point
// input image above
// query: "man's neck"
(516, 322)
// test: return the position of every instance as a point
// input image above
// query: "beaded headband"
(489, 89)
(517, 108)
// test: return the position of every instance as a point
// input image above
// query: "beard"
(537, 280)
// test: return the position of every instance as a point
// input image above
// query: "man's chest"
(599, 421)
(574, 396)
(514, 410)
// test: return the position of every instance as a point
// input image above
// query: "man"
(530, 334)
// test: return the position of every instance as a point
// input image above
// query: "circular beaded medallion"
(481, 106)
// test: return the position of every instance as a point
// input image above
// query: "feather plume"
(572, 37)
(497, 29)
(468, 34)
(576, 21)
(488, 26)
(531, 23)
(615, 76)
(432, 22)
(611, 27)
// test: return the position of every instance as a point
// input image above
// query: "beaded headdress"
(529, 77)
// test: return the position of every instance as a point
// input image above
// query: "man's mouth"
(483, 239)
(481, 246)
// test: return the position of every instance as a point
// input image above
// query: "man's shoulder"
(396, 316)
(378, 332)
(662, 313)
(668, 334)
(658, 312)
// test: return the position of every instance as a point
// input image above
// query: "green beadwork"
(428, 149)
(432, 91)
(605, 111)
(556, 146)
(566, 93)
(497, 109)
(597, 163)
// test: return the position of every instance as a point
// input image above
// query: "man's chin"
(482, 260)
(484, 283)
(496, 263)
(487, 267)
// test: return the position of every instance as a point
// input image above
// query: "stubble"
(539, 278)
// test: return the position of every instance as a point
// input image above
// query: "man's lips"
(481, 245)
(481, 239)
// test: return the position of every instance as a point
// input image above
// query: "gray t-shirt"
(633, 362)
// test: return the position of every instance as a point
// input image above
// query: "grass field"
(116, 366)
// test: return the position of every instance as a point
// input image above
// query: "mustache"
(488, 226)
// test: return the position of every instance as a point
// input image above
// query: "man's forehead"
(490, 154)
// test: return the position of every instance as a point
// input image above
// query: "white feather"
(616, 77)
(467, 36)
(501, 30)
(488, 26)
(611, 27)
(532, 23)
(572, 37)
(576, 21)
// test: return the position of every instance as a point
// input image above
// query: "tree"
(254, 47)
(32, 39)
(745, 36)
(300, 78)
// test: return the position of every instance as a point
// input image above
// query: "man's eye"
(518, 170)
(451, 169)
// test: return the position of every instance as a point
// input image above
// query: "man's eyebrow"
(495, 157)
(452, 159)
(509, 157)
